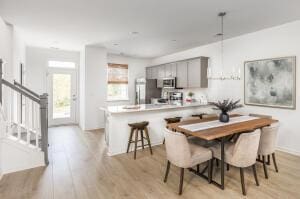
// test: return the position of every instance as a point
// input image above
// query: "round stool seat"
(139, 125)
(199, 115)
(173, 120)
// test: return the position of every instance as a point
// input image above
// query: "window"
(60, 64)
(117, 85)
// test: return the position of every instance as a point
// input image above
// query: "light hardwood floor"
(79, 169)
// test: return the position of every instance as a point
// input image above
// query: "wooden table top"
(218, 132)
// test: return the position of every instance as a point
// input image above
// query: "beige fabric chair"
(241, 154)
(183, 154)
(260, 115)
(267, 145)
(209, 116)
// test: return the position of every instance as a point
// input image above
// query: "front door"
(62, 96)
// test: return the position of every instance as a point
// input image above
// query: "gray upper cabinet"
(161, 71)
(154, 72)
(190, 73)
(170, 70)
(182, 74)
(173, 70)
(197, 73)
(149, 73)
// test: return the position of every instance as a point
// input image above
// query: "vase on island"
(225, 107)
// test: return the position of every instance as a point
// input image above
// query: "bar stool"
(135, 129)
(200, 115)
(170, 121)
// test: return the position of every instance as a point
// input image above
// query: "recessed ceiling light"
(134, 33)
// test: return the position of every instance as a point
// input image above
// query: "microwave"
(169, 83)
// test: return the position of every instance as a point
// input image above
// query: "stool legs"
(148, 139)
(142, 138)
(135, 132)
(135, 142)
(130, 138)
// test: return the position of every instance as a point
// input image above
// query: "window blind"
(117, 73)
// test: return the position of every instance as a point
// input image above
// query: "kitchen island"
(117, 119)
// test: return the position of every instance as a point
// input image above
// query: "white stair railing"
(25, 114)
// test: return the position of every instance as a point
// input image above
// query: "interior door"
(62, 96)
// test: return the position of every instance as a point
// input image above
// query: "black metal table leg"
(222, 162)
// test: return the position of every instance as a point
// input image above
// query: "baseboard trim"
(290, 151)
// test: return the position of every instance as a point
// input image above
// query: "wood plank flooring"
(80, 169)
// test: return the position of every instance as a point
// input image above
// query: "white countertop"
(149, 107)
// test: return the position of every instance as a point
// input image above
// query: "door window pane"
(61, 96)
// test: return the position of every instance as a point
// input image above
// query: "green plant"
(226, 105)
(190, 94)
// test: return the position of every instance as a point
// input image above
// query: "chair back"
(245, 149)
(210, 116)
(177, 148)
(268, 138)
(260, 115)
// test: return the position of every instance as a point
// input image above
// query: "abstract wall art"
(271, 82)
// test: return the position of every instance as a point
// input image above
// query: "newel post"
(44, 124)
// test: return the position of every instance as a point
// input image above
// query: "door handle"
(74, 98)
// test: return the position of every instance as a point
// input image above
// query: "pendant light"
(222, 76)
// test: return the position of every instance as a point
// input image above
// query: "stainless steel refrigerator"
(145, 89)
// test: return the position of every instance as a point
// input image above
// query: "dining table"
(209, 129)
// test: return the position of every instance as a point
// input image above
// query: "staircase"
(23, 127)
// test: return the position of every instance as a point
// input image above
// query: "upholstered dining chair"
(260, 115)
(209, 116)
(267, 145)
(241, 154)
(183, 154)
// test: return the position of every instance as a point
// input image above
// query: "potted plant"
(225, 107)
(190, 96)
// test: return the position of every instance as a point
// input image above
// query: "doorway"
(62, 90)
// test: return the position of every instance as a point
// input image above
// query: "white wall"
(6, 38)
(95, 86)
(278, 41)
(12, 51)
(82, 89)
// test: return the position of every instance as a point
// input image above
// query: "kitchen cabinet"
(197, 73)
(191, 73)
(161, 71)
(149, 73)
(154, 72)
(170, 70)
(182, 74)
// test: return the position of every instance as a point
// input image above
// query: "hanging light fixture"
(222, 76)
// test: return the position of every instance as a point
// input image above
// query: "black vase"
(224, 117)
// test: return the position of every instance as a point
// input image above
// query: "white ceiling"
(71, 24)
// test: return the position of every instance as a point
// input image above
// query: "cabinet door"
(154, 72)
(194, 73)
(168, 70)
(181, 71)
(173, 69)
(161, 72)
(149, 73)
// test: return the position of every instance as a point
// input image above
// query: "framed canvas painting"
(271, 82)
